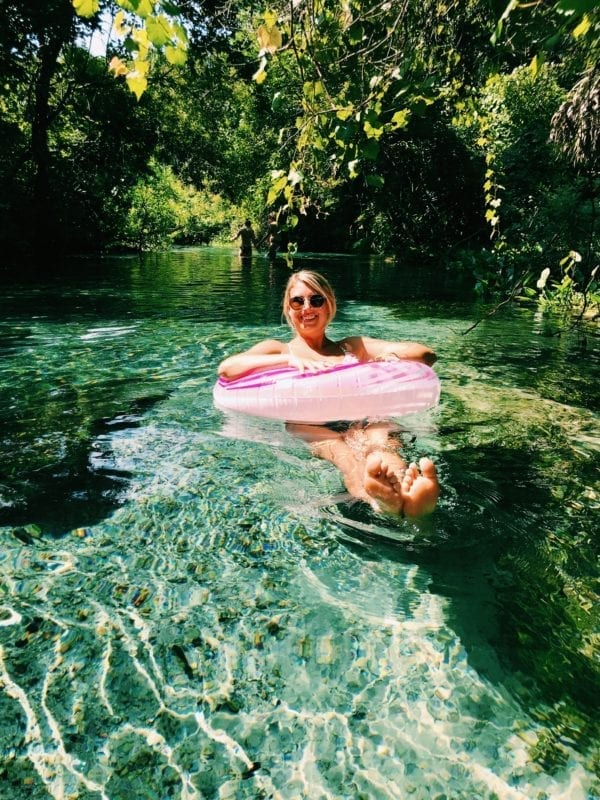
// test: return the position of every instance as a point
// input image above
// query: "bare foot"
(400, 490)
(420, 490)
(384, 473)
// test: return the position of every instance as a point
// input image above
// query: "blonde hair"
(318, 284)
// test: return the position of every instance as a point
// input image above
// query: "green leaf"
(576, 6)
(370, 150)
(536, 63)
(376, 181)
(275, 190)
(356, 34)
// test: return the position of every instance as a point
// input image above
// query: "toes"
(428, 468)
(374, 464)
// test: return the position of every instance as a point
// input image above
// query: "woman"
(365, 453)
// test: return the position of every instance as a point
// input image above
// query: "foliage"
(571, 294)
(368, 125)
(144, 26)
(163, 211)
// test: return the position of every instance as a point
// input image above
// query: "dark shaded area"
(75, 490)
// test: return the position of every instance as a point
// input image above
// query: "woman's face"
(308, 309)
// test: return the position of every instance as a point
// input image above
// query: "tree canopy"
(436, 129)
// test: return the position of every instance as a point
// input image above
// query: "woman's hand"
(311, 365)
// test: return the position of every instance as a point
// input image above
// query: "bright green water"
(191, 608)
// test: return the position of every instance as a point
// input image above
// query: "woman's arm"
(263, 355)
(368, 349)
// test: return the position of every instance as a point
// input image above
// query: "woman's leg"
(371, 467)
(332, 446)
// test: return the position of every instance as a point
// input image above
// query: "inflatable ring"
(344, 392)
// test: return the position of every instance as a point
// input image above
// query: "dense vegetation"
(462, 132)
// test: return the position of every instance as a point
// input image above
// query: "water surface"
(190, 605)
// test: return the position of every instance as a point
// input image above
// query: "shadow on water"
(74, 483)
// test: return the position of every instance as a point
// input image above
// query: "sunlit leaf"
(294, 177)
(373, 132)
(180, 32)
(270, 18)
(400, 118)
(119, 27)
(140, 37)
(269, 39)
(344, 113)
(137, 83)
(86, 8)
(536, 63)
(175, 55)
(118, 66)
(144, 8)
(260, 75)
(275, 189)
(541, 282)
(159, 30)
(583, 27)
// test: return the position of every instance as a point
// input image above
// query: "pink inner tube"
(344, 392)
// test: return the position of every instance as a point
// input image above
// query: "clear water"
(191, 607)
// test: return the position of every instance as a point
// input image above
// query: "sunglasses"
(315, 300)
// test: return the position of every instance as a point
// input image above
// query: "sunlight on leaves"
(121, 29)
(86, 8)
(159, 30)
(175, 55)
(117, 66)
(400, 119)
(269, 39)
(137, 82)
(541, 282)
(260, 74)
(270, 18)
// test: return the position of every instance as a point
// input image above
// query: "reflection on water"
(192, 607)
